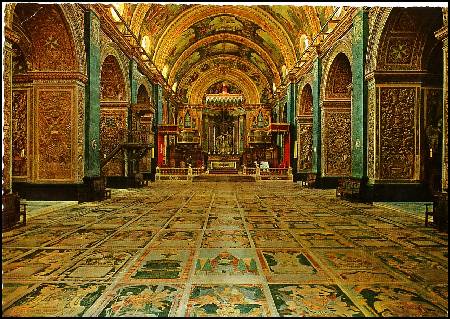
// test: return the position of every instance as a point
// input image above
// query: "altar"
(219, 162)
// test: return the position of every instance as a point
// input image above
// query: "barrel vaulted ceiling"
(250, 47)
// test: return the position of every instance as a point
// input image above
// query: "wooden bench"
(439, 211)
(348, 188)
(12, 209)
(311, 180)
(94, 189)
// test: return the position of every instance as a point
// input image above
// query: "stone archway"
(113, 115)
(403, 86)
(305, 129)
(47, 98)
(336, 119)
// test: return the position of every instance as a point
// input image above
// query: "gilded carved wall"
(7, 117)
(109, 48)
(54, 134)
(304, 126)
(53, 48)
(48, 104)
(20, 132)
(336, 111)
(113, 126)
(112, 84)
(336, 142)
(305, 134)
(397, 131)
(371, 124)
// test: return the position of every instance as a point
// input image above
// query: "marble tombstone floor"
(224, 249)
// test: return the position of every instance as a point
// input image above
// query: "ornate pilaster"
(7, 118)
(442, 35)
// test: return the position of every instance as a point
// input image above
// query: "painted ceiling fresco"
(263, 41)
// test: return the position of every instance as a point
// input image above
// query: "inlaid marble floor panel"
(226, 250)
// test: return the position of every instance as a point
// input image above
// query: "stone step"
(223, 178)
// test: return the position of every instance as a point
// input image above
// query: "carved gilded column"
(7, 117)
(442, 35)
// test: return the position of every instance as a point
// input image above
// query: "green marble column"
(158, 94)
(359, 95)
(92, 111)
(292, 102)
(317, 73)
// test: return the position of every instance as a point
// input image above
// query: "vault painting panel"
(337, 143)
(226, 24)
(55, 134)
(312, 300)
(113, 124)
(142, 300)
(56, 299)
(287, 265)
(397, 132)
(20, 132)
(392, 300)
(227, 300)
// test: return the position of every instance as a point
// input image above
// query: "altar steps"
(224, 171)
(223, 178)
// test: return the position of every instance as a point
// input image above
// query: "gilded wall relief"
(305, 134)
(19, 132)
(371, 109)
(80, 133)
(397, 132)
(113, 126)
(111, 81)
(53, 49)
(305, 101)
(337, 142)
(339, 77)
(74, 15)
(7, 129)
(54, 134)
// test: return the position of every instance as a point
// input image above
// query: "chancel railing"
(269, 173)
(177, 173)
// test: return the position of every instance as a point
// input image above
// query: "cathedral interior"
(179, 159)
